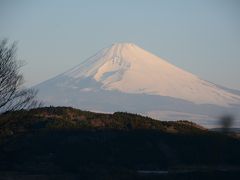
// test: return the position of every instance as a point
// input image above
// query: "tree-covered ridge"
(63, 142)
(70, 118)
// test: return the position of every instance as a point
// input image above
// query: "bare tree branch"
(13, 96)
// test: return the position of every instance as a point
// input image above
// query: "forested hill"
(65, 143)
(69, 118)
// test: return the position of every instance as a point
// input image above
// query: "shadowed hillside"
(13, 123)
(66, 143)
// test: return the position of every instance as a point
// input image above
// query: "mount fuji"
(125, 77)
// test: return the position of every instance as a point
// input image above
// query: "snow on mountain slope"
(130, 69)
(125, 77)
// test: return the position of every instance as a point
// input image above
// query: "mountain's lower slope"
(66, 143)
(124, 77)
(60, 91)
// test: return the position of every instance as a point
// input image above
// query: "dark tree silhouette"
(13, 96)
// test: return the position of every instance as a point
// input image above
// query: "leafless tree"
(13, 96)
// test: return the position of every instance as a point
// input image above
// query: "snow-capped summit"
(130, 69)
(125, 77)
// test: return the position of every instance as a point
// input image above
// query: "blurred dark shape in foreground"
(226, 123)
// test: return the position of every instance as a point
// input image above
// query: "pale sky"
(202, 37)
